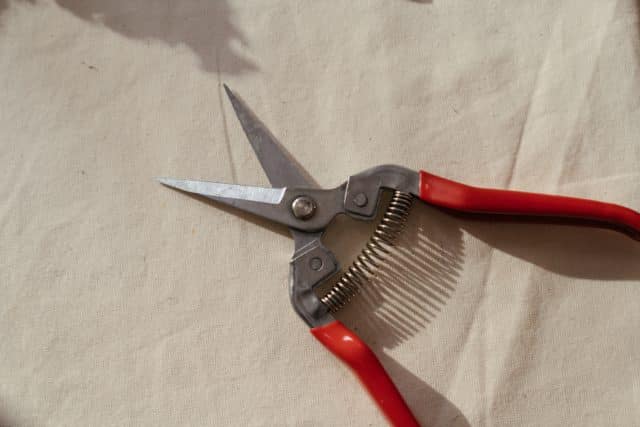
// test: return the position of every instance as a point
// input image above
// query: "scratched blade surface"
(259, 201)
(281, 168)
(217, 190)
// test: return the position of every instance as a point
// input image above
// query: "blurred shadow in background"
(6, 420)
(205, 26)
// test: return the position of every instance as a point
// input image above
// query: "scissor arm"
(349, 348)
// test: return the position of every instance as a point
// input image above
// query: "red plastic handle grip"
(454, 195)
(358, 356)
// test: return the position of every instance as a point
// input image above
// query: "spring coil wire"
(375, 252)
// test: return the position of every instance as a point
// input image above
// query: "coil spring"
(375, 252)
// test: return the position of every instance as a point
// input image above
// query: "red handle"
(454, 195)
(351, 350)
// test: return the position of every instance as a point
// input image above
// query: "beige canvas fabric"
(123, 303)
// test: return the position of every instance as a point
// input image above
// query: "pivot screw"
(303, 207)
(360, 200)
(315, 263)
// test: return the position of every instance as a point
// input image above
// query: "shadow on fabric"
(409, 290)
(5, 421)
(569, 250)
(412, 285)
(430, 407)
(638, 14)
(638, 30)
(205, 26)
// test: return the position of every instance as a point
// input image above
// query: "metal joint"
(310, 265)
(363, 190)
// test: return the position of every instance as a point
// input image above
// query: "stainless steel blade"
(281, 168)
(274, 204)
(217, 190)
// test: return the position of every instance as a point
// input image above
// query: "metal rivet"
(315, 263)
(360, 200)
(303, 207)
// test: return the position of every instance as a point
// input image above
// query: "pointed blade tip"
(281, 169)
(228, 91)
(220, 191)
(176, 184)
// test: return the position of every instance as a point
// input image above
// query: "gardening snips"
(297, 203)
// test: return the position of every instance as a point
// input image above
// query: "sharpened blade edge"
(271, 196)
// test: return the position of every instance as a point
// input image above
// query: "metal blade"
(274, 204)
(216, 190)
(281, 168)
(263, 202)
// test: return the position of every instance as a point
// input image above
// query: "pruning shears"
(296, 202)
